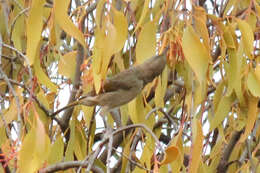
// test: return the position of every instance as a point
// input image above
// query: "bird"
(126, 85)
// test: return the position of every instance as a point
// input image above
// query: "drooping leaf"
(222, 111)
(247, 37)
(42, 77)
(56, 151)
(144, 12)
(67, 65)
(114, 39)
(10, 114)
(200, 20)
(99, 14)
(197, 146)
(195, 53)
(60, 12)
(18, 35)
(251, 118)
(253, 84)
(177, 141)
(34, 29)
(69, 154)
(126, 152)
(35, 149)
(146, 45)
(136, 110)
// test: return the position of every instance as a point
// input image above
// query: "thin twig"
(132, 161)
(15, 19)
(16, 100)
(24, 57)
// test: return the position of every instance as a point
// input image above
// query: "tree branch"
(223, 164)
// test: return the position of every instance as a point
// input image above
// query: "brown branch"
(223, 164)
(67, 165)
(64, 121)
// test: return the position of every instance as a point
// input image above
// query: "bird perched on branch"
(126, 85)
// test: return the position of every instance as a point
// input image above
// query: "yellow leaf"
(158, 97)
(195, 53)
(203, 31)
(200, 93)
(119, 62)
(177, 141)
(35, 149)
(42, 98)
(161, 89)
(136, 110)
(98, 50)
(171, 154)
(231, 4)
(56, 151)
(54, 30)
(69, 154)
(34, 29)
(146, 44)
(18, 36)
(121, 28)
(97, 82)
(247, 37)
(3, 136)
(229, 38)
(144, 12)
(88, 113)
(200, 25)
(148, 151)
(127, 145)
(234, 72)
(99, 12)
(252, 20)
(221, 112)
(61, 17)
(257, 9)
(42, 77)
(80, 142)
(218, 95)
(257, 72)
(238, 81)
(67, 65)
(197, 146)
(10, 114)
(108, 40)
(251, 118)
(253, 84)
(114, 40)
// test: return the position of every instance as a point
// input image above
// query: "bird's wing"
(124, 80)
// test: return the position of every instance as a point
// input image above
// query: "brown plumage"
(126, 85)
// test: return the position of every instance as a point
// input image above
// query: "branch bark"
(223, 164)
